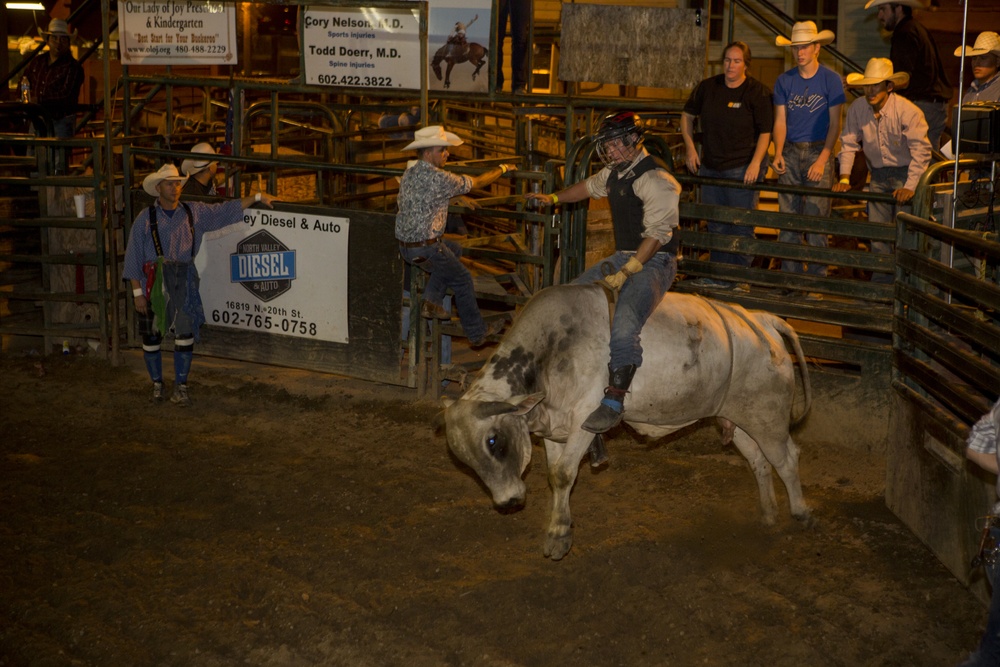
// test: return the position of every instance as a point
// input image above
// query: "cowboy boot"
(609, 413)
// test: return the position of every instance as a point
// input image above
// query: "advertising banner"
(458, 45)
(280, 273)
(361, 47)
(168, 32)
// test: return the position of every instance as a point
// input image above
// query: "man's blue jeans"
(520, 41)
(639, 297)
(735, 197)
(885, 179)
(440, 260)
(988, 653)
(798, 158)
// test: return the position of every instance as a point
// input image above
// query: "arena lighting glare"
(34, 6)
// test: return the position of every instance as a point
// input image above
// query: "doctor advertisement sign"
(361, 47)
(174, 32)
(281, 273)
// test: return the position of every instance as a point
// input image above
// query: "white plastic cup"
(81, 205)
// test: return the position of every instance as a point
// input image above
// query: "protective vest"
(627, 207)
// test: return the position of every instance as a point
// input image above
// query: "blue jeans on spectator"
(988, 653)
(440, 260)
(639, 297)
(886, 179)
(798, 158)
(520, 41)
(735, 197)
(936, 114)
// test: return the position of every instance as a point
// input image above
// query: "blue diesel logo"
(263, 265)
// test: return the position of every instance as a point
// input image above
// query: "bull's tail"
(783, 328)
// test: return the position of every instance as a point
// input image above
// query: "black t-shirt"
(731, 120)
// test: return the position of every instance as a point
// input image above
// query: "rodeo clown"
(159, 263)
(644, 198)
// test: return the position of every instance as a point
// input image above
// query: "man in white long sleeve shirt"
(892, 132)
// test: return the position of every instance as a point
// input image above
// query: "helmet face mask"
(619, 139)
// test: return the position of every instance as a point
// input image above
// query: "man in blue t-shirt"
(807, 104)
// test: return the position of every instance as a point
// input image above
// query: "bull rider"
(644, 214)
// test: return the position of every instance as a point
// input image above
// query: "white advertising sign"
(280, 273)
(177, 32)
(362, 47)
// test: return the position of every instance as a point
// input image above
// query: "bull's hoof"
(805, 519)
(557, 546)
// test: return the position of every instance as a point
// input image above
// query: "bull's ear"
(525, 404)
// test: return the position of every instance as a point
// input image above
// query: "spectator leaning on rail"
(159, 263)
(644, 215)
(985, 56)
(981, 448)
(807, 102)
(200, 172)
(892, 132)
(424, 192)
(912, 50)
(736, 119)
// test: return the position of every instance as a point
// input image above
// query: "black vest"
(627, 207)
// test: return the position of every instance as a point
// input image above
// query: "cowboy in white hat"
(912, 50)
(807, 102)
(985, 56)
(200, 171)
(892, 132)
(424, 192)
(55, 82)
(159, 264)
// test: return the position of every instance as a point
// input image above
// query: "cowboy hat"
(876, 71)
(916, 4)
(432, 136)
(987, 42)
(804, 32)
(57, 27)
(191, 167)
(167, 172)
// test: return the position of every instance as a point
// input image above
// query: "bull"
(702, 359)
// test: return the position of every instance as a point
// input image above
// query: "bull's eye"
(496, 445)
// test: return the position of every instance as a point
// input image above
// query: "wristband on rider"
(137, 291)
(555, 199)
(845, 180)
(503, 170)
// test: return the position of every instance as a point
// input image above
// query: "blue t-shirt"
(807, 102)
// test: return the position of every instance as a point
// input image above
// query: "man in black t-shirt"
(736, 115)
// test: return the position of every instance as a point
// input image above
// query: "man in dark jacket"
(912, 50)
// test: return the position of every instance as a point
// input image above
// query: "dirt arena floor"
(292, 519)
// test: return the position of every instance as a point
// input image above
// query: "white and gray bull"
(701, 359)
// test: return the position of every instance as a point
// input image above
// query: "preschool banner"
(188, 32)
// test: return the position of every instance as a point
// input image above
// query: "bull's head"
(492, 438)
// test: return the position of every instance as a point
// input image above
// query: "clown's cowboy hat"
(876, 71)
(57, 27)
(432, 136)
(805, 32)
(167, 172)
(987, 42)
(191, 167)
(916, 4)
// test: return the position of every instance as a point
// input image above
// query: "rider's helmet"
(619, 139)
